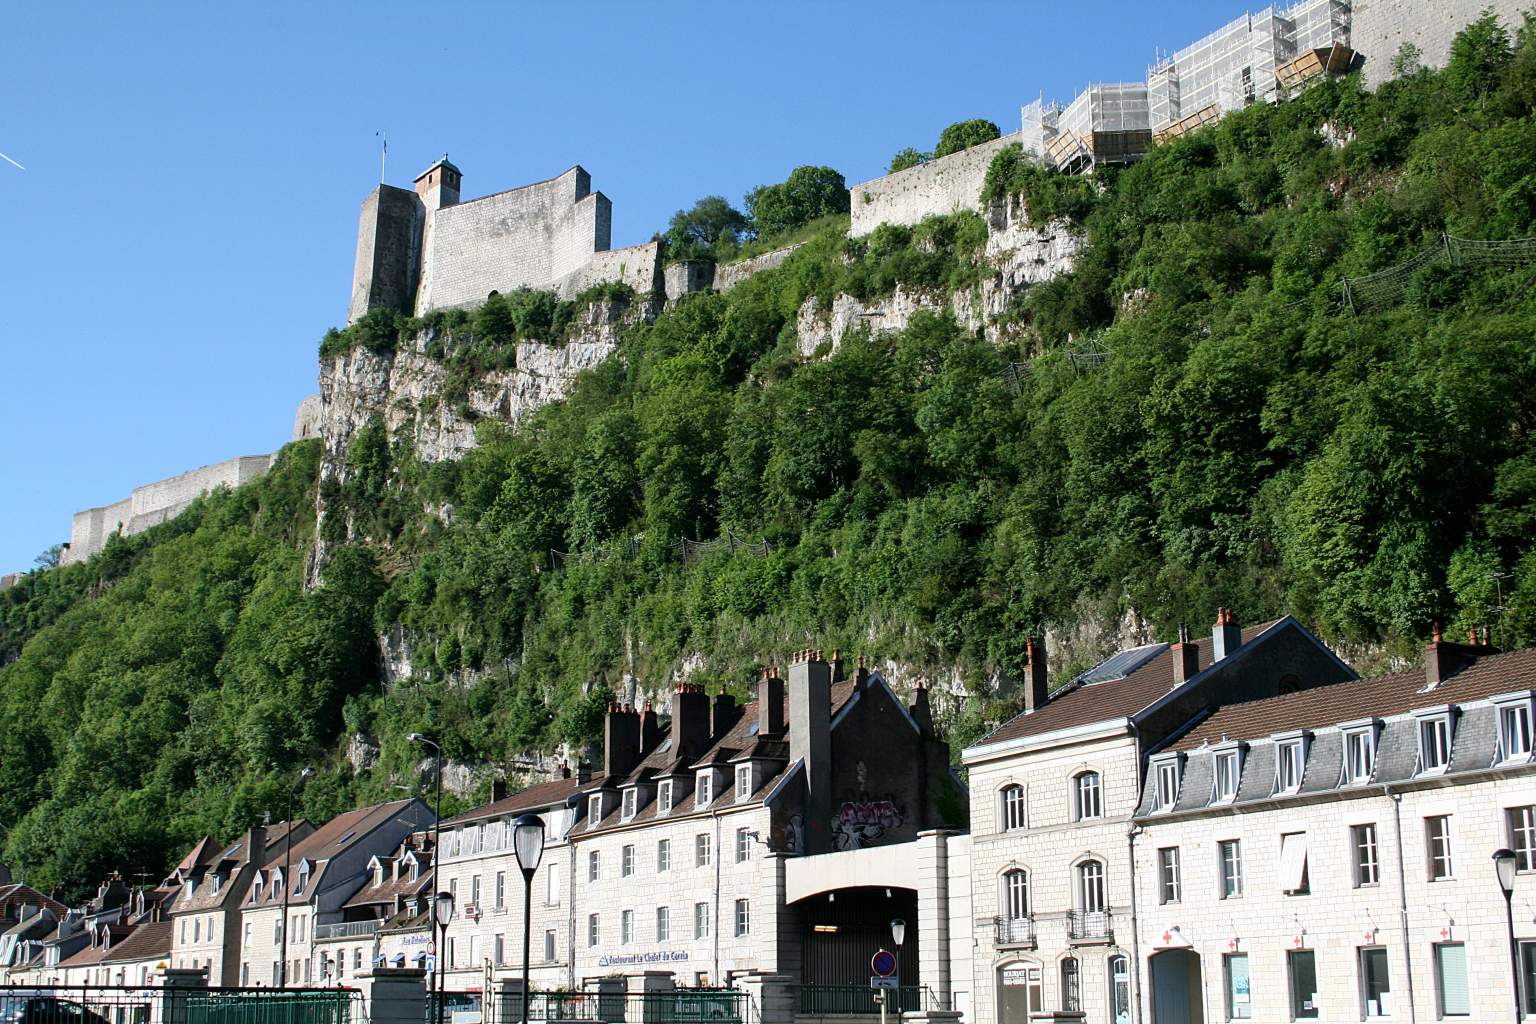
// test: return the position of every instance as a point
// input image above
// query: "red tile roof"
(1073, 706)
(542, 794)
(1379, 696)
(147, 942)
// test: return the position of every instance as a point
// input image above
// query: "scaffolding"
(1106, 124)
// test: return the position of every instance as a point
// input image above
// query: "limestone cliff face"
(406, 390)
(1018, 256)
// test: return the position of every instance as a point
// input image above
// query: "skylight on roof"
(752, 729)
(344, 838)
(665, 745)
(1120, 664)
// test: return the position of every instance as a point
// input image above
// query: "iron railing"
(455, 1002)
(679, 1006)
(858, 1000)
(1090, 925)
(128, 1004)
(1013, 931)
(347, 929)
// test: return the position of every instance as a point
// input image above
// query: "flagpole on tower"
(383, 154)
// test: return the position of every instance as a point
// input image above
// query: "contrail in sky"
(10, 161)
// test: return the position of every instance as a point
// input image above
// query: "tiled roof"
(1076, 705)
(1378, 696)
(325, 842)
(201, 855)
(84, 957)
(236, 854)
(541, 795)
(148, 941)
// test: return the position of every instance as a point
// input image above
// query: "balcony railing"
(1090, 926)
(1013, 931)
(347, 929)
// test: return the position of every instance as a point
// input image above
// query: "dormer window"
(1228, 765)
(631, 799)
(218, 883)
(1359, 753)
(188, 887)
(664, 798)
(743, 782)
(1514, 729)
(1434, 741)
(594, 809)
(1166, 791)
(1290, 764)
(256, 890)
(703, 790)
(300, 882)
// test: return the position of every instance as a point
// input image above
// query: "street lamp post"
(1504, 866)
(442, 914)
(528, 844)
(898, 935)
(282, 906)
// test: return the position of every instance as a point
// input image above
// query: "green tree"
(907, 157)
(964, 135)
(808, 193)
(709, 228)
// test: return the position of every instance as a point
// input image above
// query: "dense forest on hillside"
(1218, 406)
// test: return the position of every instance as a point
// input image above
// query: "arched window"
(1071, 989)
(1090, 887)
(1013, 810)
(1119, 990)
(1016, 894)
(1087, 796)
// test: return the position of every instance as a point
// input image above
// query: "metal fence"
(679, 1006)
(858, 1000)
(126, 1004)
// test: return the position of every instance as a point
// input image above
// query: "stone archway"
(1177, 993)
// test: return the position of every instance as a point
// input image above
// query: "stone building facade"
(1053, 796)
(1326, 855)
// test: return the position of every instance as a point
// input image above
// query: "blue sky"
(183, 232)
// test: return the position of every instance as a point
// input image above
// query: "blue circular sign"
(883, 963)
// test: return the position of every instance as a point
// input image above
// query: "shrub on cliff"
(808, 193)
(964, 135)
(710, 229)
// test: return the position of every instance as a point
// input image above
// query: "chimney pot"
(1226, 635)
(690, 721)
(1186, 658)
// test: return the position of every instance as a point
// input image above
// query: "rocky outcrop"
(408, 391)
(1018, 255)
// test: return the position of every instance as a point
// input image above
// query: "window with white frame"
(549, 946)
(1434, 743)
(1025, 978)
(743, 845)
(1515, 731)
(663, 924)
(1362, 841)
(1090, 887)
(631, 801)
(663, 855)
(594, 929)
(627, 927)
(1522, 836)
(1437, 844)
(501, 890)
(1167, 791)
(743, 781)
(1016, 895)
(664, 798)
(627, 861)
(1359, 755)
(1087, 796)
(1289, 765)
(594, 866)
(1375, 983)
(1071, 986)
(1168, 882)
(594, 809)
(551, 885)
(1230, 864)
(703, 791)
(1013, 809)
(1227, 776)
(701, 850)
(743, 918)
(701, 920)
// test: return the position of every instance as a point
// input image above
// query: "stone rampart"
(946, 185)
(388, 251)
(154, 503)
(638, 266)
(10, 579)
(1379, 28)
(529, 237)
(730, 275)
(306, 419)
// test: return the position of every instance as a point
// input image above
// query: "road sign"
(880, 981)
(883, 963)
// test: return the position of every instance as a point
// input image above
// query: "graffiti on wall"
(790, 836)
(864, 822)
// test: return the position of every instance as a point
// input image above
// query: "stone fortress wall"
(1375, 30)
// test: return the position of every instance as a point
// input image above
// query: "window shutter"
(1293, 861)
(1453, 979)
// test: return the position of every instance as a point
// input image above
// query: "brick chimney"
(650, 729)
(770, 703)
(810, 742)
(690, 721)
(922, 714)
(621, 741)
(722, 713)
(256, 846)
(838, 675)
(860, 674)
(1443, 658)
(1036, 685)
(498, 789)
(1226, 635)
(1186, 658)
(583, 772)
